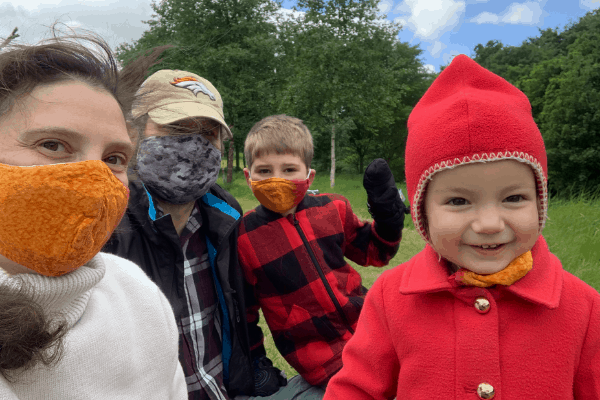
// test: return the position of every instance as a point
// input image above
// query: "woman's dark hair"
(27, 335)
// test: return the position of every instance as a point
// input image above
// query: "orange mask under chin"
(517, 269)
(55, 218)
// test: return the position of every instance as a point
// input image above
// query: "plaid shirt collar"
(269, 216)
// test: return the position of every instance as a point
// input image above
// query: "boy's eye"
(263, 171)
(514, 198)
(457, 201)
(290, 170)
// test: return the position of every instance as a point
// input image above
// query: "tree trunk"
(237, 156)
(230, 162)
(332, 174)
(361, 161)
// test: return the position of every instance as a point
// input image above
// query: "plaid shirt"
(310, 296)
(200, 323)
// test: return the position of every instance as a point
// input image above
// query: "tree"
(10, 38)
(570, 117)
(231, 43)
(560, 74)
(339, 71)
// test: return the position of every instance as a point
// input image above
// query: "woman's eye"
(52, 145)
(514, 198)
(114, 159)
(457, 201)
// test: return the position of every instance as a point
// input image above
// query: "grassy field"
(572, 232)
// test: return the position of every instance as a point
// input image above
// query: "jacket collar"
(542, 285)
(218, 216)
(267, 215)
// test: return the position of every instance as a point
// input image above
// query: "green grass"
(572, 232)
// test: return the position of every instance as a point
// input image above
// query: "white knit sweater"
(122, 343)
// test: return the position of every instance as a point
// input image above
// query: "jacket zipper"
(322, 276)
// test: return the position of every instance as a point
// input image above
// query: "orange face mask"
(55, 218)
(278, 194)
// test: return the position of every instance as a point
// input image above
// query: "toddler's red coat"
(419, 336)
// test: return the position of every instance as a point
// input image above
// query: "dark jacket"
(155, 247)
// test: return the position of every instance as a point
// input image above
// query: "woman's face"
(65, 122)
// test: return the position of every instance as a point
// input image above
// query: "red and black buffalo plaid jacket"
(310, 296)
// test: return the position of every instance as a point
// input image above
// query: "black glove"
(383, 200)
(267, 378)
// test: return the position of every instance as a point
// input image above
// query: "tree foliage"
(560, 74)
(338, 65)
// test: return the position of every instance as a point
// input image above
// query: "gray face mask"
(179, 169)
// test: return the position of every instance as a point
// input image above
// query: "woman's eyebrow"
(125, 146)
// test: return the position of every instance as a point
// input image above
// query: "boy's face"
(286, 166)
(479, 204)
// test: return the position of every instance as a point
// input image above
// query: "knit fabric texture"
(82, 204)
(517, 269)
(122, 341)
(470, 115)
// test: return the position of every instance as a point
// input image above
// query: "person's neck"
(180, 213)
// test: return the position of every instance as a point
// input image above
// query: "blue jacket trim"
(151, 209)
(221, 205)
(226, 330)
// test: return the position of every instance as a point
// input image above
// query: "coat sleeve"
(370, 363)
(587, 379)
(363, 245)
(255, 333)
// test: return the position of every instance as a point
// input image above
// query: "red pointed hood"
(470, 114)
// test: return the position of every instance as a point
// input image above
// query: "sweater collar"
(67, 294)
(542, 285)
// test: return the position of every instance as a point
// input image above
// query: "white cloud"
(429, 68)
(589, 4)
(288, 12)
(401, 21)
(430, 19)
(528, 13)
(116, 22)
(436, 48)
(385, 6)
(485, 18)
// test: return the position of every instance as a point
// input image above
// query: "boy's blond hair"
(279, 134)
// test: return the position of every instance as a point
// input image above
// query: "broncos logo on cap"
(193, 85)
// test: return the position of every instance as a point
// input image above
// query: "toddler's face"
(479, 204)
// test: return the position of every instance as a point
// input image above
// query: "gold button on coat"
(482, 305)
(485, 391)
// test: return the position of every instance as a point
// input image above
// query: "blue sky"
(442, 28)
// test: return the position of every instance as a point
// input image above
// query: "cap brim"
(169, 113)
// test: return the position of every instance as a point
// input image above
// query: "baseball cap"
(172, 95)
